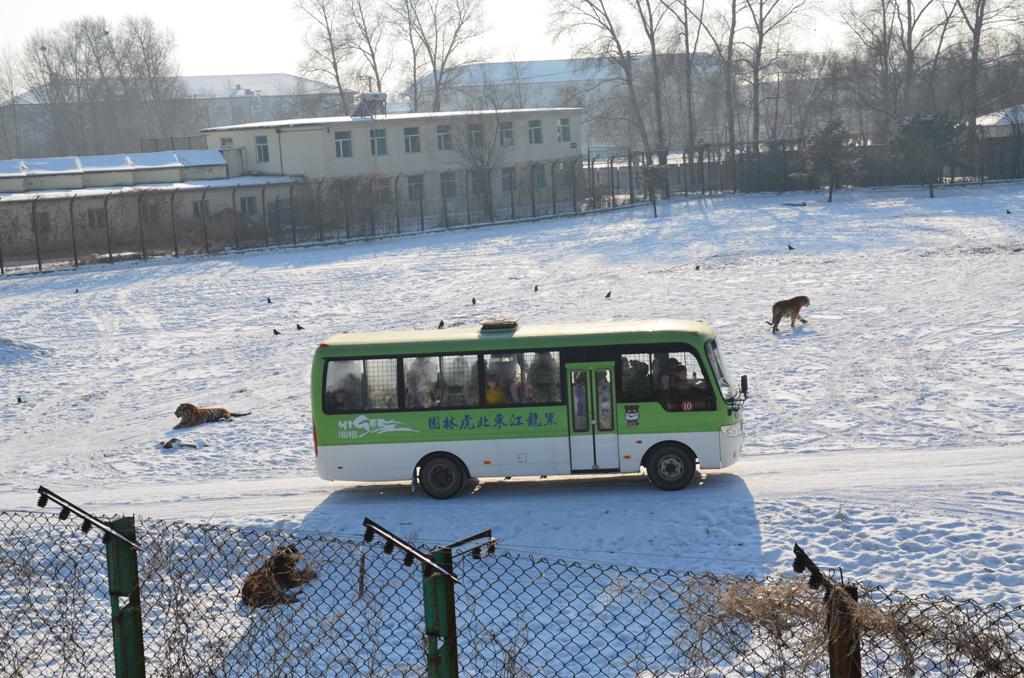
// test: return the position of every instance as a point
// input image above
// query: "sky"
(265, 36)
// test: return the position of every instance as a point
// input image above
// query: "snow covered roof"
(109, 163)
(251, 84)
(230, 85)
(550, 71)
(1013, 115)
(593, 334)
(317, 122)
(192, 185)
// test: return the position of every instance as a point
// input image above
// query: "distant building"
(30, 128)
(404, 143)
(595, 85)
(1005, 123)
(95, 208)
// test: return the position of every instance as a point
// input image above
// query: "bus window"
(673, 378)
(343, 386)
(422, 389)
(636, 376)
(382, 384)
(543, 383)
(605, 414)
(503, 378)
(460, 383)
(578, 396)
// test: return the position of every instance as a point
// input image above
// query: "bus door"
(593, 440)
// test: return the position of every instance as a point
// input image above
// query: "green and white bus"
(503, 400)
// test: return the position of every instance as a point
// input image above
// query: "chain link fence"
(516, 615)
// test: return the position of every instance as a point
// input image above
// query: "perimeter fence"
(61, 229)
(363, 614)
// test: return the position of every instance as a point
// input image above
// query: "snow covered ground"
(886, 436)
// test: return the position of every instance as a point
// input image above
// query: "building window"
(343, 144)
(200, 208)
(97, 217)
(378, 142)
(563, 130)
(248, 205)
(412, 139)
(536, 137)
(444, 137)
(540, 179)
(505, 134)
(415, 187)
(262, 149)
(227, 142)
(475, 135)
(508, 179)
(448, 184)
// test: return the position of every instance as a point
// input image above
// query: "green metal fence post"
(123, 581)
(439, 618)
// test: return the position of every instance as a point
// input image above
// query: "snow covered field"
(886, 436)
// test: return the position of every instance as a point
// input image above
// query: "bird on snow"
(698, 267)
(536, 288)
(20, 401)
(440, 325)
(1007, 211)
(791, 248)
(299, 327)
(609, 295)
(268, 300)
(76, 289)
(474, 301)
(276, 332)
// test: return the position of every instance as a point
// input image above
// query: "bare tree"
(399, 12)
(689, 15)
(476, 143)
(102, 84)
(978, 17)
(600, 35)
(367, 40)
(721, 28)
(872, 74)
(326, 44)
(10, 144)
(443, 28)
(768, 18)
(651, 15)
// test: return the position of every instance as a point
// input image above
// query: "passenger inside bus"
(346, 396)
(543, 377)
(421, 382)
(495, 394)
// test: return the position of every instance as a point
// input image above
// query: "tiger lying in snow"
(191, 415)
(269, 584)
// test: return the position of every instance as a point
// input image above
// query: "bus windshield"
(718, 367)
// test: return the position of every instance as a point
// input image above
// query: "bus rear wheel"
(442, 477)
(671, 467)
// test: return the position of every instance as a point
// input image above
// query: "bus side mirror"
(743, 385)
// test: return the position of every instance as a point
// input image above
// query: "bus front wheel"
(442, 477)
(671, 467)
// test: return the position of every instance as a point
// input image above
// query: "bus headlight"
(733, 430)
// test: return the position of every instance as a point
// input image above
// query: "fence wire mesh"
(517, 615)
